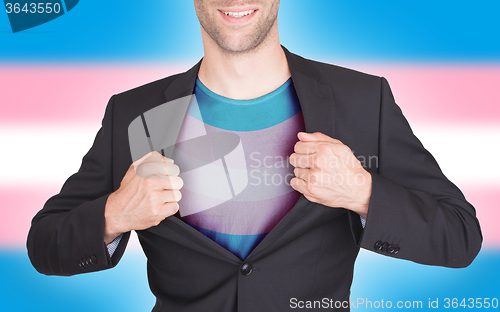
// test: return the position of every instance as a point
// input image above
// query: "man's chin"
(239, 45)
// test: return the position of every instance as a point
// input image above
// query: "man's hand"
(327, 172)
(148, 193)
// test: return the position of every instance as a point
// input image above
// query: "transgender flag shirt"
(233, 157)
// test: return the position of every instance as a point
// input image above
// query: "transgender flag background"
(442, 59)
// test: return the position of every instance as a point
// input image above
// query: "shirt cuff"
(112, 246)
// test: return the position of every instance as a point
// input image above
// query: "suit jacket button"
(246, 269)
(80, 264)
(93, 260)
(378, 245)
(384, 247)
(396, 249)
(83, 264)
(390, 249)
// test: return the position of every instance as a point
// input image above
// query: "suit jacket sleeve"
(67, 235)
(413, 205)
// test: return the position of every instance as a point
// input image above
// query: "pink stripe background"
(76, 95)
(68, 94)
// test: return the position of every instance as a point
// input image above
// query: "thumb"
(152, 156)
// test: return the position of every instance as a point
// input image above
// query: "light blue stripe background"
(125, 287)
(167, 30)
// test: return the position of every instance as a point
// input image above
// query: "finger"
(299, 185)
(157, 170)
(171, 183)
(171, 208)
(301, 160)
(149, 156)
(316, 148)
(171, 169)
(137, 162)
(303, 174)
(156, 157)
(153, 156)
(169, 160)
(170, 196)
(161, 185)
(311, 177)
(305, 147)
(132, 170)
(165, 210)
(316, 137)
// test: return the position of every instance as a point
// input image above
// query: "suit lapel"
(318, 109)
(183, 85)
(316, 99)
(317, 103)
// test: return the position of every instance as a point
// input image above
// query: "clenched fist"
(327, 172)
(148, 194)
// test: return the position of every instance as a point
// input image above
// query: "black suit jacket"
(415, 213)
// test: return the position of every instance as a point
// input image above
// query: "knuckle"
(317, 162)
(177, 182)
(345, 150)
(173, 170)
(148, 183)
(177, 195)
(294, 183)
(155, 211)
(296, 147)
(143, 167)
(312, 178)
(324, 148)
(168, 183)
(311, 189)
(171, 208)
(303, 161)
(153, 197)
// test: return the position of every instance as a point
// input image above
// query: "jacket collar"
(183, 85)
(316, 98)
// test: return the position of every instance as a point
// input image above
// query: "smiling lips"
(239, 14)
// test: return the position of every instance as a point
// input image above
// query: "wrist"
(111, 230)
(364, 195)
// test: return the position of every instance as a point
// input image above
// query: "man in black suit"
(411, 210)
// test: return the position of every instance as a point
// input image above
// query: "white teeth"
(239, 14)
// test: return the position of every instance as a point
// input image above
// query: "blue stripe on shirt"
(240, 245)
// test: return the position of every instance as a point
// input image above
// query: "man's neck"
(246, 75)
